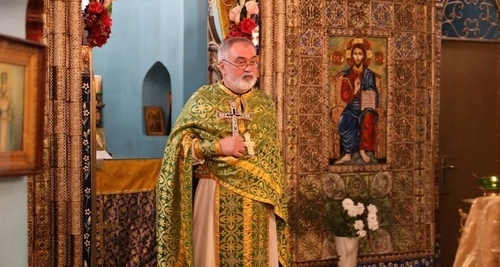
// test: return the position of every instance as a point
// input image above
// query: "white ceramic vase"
(347, 250)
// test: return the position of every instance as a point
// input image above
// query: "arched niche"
(157, 92)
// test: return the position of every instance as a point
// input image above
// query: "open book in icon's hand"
(368, 99)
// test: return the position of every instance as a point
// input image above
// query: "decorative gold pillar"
(55, 196)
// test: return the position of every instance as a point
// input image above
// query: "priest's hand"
(232, 146)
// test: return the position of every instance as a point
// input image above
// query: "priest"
(221, 197)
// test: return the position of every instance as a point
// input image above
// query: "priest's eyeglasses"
(243, 64)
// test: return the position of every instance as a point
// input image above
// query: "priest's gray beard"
(240, 84)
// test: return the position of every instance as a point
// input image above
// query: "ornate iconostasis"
(377, 143)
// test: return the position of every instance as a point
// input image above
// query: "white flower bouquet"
(353, 220)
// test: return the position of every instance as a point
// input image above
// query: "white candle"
(98, 84)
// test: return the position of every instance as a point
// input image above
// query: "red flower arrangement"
(98, 23)
(244, 20)
(242, 29)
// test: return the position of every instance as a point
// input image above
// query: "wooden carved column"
(55, 210)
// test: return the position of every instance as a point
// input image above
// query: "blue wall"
(170, 32)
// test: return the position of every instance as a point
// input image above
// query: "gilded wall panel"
(382, 15)
(404, 234)
(310, 67)
(307, 215)
(405, 45)
(358, 13)
(404, 17)
(311, 188)
(400, 208)
(309, 156)
(427, 159)
(404, 156)
(421, 18)
(310, 13)
(403, 184)
(423, 46)
(421, 74)
(404, 73)
(309, 98)
(307, 246)
(310, 41)
(404, 101)
(420, 183)
(404, 130)
(336, 13)
(422, 129)
(309, 126)
(425, 129)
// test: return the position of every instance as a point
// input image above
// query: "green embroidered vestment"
(247, 187)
